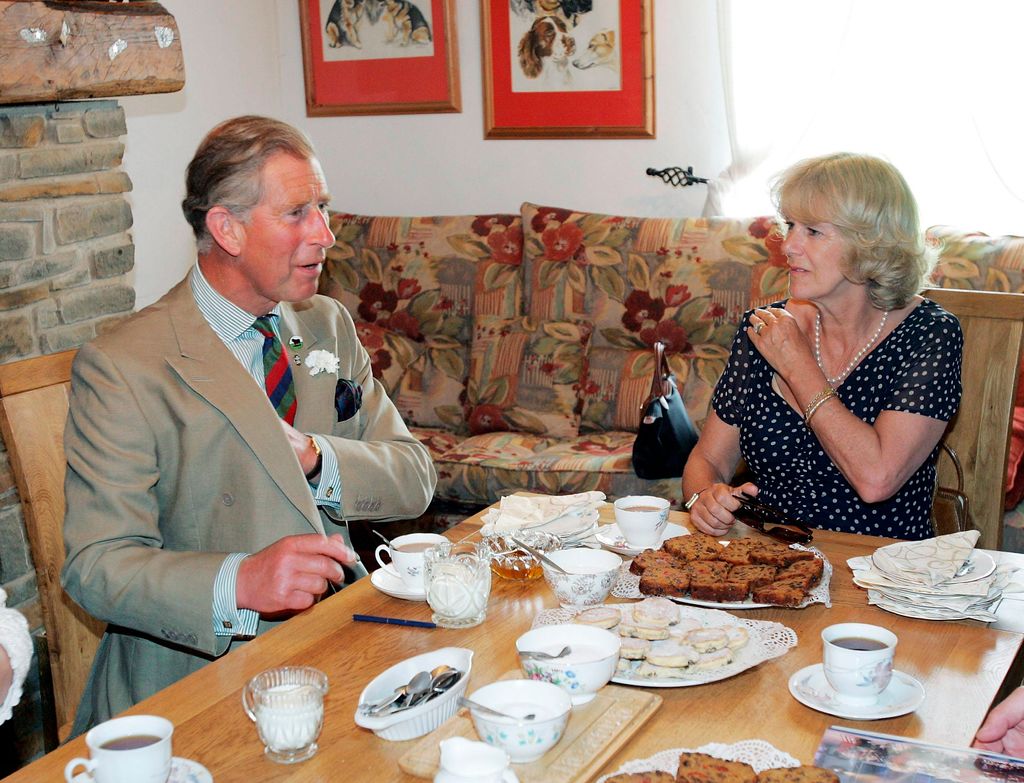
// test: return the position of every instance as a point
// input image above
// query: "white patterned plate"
(759, 754)
(571, 525)
(611, 538)
(980, 564)
(182, 771)
(810, 688)
(390, 583)
(766, 640)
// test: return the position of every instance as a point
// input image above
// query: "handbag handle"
(660, 384)
(956, 465)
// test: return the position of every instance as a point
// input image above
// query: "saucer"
(390, 583)
(810, 688)
(182, 771)
(611, 538)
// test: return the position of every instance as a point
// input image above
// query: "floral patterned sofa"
(518, 346)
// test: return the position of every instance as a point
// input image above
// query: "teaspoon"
(419, 682)
(539, 555)
(464, 702)
(544, 655)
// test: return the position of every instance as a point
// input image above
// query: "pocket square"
(348, 398)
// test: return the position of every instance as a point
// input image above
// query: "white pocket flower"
(322, 361)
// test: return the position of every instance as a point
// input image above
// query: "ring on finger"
(758, 327)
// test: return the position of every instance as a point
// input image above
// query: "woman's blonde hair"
(871, 206)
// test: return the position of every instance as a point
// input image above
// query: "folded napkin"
(515, 512)
(930, 562)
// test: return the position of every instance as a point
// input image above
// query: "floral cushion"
(684, 281)
(484, 468)
(525, 376)
(978, 261)
(425, 278)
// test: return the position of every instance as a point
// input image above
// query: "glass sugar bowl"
(510, 562)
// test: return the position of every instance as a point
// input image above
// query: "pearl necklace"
(856, 358)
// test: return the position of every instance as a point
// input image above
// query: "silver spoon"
(440, 683)
(545, 656)
(464, 702)
(381, 536)
(539, 555)
(418, 683)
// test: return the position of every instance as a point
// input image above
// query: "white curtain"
(931, 85)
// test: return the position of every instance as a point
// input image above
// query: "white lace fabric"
(15, 639)
(757, 753)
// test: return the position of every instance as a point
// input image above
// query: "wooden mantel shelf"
(57, 50)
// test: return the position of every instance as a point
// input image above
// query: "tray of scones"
(665, 645)
(741, 573)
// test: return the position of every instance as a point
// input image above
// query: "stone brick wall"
(65, 263)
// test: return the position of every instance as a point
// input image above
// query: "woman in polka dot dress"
(836, 398)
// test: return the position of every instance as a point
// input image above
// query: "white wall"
(244, 56)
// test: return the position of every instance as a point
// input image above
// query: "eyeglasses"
(771, 521)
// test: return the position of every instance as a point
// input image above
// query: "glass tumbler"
(457, 578)
(287, 706)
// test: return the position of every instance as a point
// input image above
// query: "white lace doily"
(766, 640)
(627, 585)
(757, 753)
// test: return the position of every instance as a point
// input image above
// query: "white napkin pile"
(941, 578)
(516, 512)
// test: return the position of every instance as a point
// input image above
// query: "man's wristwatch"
(693, 499)
(319, 459)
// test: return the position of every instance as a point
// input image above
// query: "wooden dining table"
(963, 666)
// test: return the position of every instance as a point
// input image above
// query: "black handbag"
(666, 435)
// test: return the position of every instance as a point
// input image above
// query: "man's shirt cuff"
(327, 490)
(228, 619)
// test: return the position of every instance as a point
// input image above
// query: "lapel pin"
(297, 360)
(295, 342)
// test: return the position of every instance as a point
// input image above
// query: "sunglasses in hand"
(771, 521)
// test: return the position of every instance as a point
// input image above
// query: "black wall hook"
(677, 177)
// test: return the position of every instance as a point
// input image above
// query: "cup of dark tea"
(857, 660)
(134, 749)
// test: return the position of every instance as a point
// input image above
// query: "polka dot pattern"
(915, 369)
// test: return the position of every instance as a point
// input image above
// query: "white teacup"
(642, 519)
(857, 660)
(134, 749)
(406, 553)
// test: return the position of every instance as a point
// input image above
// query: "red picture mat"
(624, 113)
(406, 85)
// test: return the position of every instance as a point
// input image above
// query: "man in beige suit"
(200, 510)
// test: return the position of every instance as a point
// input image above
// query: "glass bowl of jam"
(510, 562)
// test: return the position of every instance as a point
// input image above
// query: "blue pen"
(372, 618)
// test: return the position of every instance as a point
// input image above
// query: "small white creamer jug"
(466, 761)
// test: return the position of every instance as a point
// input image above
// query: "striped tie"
(279, 383)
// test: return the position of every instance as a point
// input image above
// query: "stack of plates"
(941, 578)
(572, 518)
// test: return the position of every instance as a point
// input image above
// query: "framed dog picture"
(562, 69)
(379, 56)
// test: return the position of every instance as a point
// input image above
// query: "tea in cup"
(287, 706)
(134, 749)
(857, 660)
(406, 553)
(642, 519)
(457, 578)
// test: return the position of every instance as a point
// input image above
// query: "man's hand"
(292, 573)
(300, 443)
(1003, 729)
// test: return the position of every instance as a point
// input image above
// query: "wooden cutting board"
(595, 731)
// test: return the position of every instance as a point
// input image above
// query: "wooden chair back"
(33, 408)
(979, 434)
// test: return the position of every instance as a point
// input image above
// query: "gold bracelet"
(816, 402)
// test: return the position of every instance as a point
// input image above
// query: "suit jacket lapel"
(211, 371)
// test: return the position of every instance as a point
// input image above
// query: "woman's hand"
(775, 333)
(712, 513)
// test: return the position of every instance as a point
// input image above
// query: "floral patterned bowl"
(523, 740)
(585, 670)
(591, 574)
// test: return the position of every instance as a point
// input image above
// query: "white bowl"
(581, 673)
(591, 575)
(522, 740)
(423, 718)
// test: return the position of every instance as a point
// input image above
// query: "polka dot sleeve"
(730, 398)
(929, 381)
